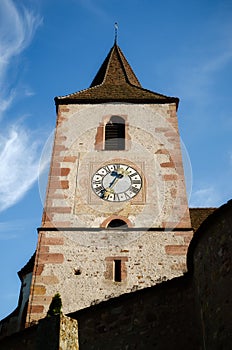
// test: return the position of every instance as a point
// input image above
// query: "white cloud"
(29, 92)
(19, 150)
(6, 100)
(44, 166)
(17, 28)
(11, 225)
(19, 159)
(96, 9)
(204, 197)
(217, 62)
(230, 157)
(200, 66)
(7, 236)
(200, 77)
(14, 229)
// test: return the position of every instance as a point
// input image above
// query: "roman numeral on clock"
(134, 189)
(136, 182)
(99, 189)
(97, 183)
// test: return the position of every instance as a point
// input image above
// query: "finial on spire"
(116, 32)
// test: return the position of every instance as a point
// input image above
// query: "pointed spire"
(115, 81)
(115, 70)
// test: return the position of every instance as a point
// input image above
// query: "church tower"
(116, 217)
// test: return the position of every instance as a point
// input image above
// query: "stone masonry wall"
(212, 276)
(75, 255)
(162, 317)
(76, 264)
(53, 333)
(153, 149)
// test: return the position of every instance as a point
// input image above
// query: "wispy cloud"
(29, 92)
(6, 98)
(14, 229)
(96, 9)
(7, 237)
(201, 65)
(7, 226)
(230, 158)
(19, 159)
(17, 28)
(19, 150)
(205, 197)
(200, 77)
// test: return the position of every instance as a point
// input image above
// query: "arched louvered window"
(115, 134)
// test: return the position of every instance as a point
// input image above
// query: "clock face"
(116, 182)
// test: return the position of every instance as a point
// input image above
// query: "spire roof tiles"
(115, 81)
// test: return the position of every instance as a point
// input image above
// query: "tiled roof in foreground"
(115, 81)
(199, 215)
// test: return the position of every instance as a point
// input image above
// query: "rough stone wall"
(212, 275)
(148, 257)
(189, 312)
(54, 333)
(9, 324)
(57, 333)
(68, 334)
(162, 317)
(24, 340)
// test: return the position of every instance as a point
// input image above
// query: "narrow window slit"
(117, 270)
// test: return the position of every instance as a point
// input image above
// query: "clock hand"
(121, 172)
(106, 192)
(117, 175)
(113, 182)
(109, 190)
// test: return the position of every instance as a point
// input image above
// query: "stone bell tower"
(116, 217)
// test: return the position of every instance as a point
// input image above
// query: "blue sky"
(54, 47)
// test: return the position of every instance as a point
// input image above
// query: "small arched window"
(115, 223)
(115, 133)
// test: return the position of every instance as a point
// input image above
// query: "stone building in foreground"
(117, 238)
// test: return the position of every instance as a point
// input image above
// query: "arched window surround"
(101, 135)
(107, 221)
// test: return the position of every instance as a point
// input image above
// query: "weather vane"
(116, 32)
